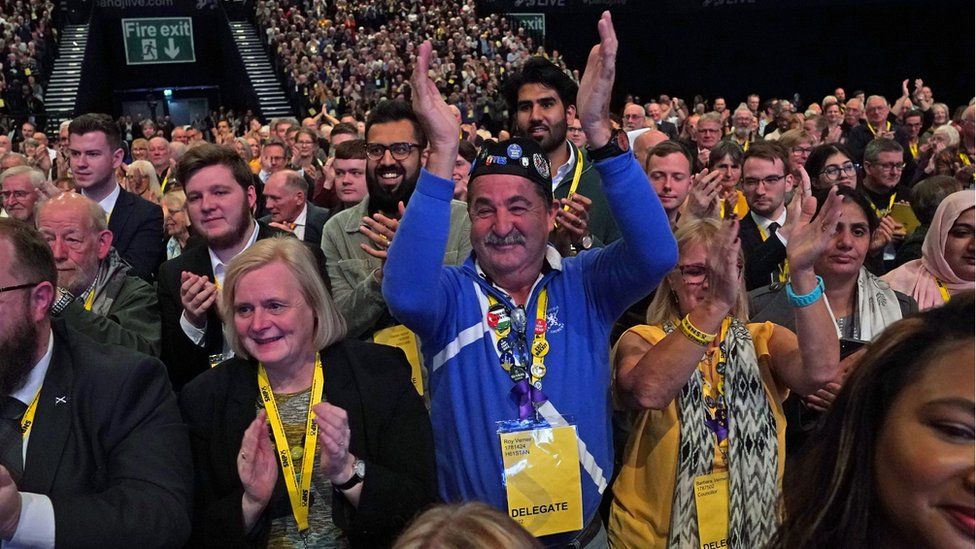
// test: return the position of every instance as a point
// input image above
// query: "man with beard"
(90, 434)
(96, 295)
(21, 187)
(220, 197)
(878, 125)
(543, 100)
(743, 124)
(355, 240)
(95, 151)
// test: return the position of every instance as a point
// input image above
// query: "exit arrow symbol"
(171, 50)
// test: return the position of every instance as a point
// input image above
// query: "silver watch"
(62, 303)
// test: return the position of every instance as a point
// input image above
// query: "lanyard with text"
(712, 490)
(299, 499)
(943, 290)
(28, 420)
(882, 213)
(874, 132)
(784, 267)
(510, 327)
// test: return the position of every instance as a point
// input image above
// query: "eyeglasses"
(889, 166)
(19, 195)
(768, 180)
(18, 287)
(399, 151)
(693, 275)
(802, 150)
(832, 173)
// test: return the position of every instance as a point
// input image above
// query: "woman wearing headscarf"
(946, 267)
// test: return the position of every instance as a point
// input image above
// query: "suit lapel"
(53, 421)
(120, 213)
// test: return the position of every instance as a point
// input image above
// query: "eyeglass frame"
(852, 170)
(768, 180)
(396, 156)
(19, 287)
(888, 166)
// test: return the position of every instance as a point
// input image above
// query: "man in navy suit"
(286, 200)
(764, 232)
(105, 459)
(95, 151)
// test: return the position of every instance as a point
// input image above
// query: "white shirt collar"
(300, 222)
(558, 176)
(36, 376)
(764, 223)
(108, 203)
(219, 267)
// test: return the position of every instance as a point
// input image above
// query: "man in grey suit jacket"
(93, 451)
(286, 199)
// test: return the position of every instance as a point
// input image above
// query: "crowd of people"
(659, 327)
(27, 45)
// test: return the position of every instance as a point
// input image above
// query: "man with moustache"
(355, 240)
(21, 187)
(93, 451)
(96, 295)
(543, 100)
(220, 196)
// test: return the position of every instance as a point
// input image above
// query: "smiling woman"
(873, 479)
(293, 371)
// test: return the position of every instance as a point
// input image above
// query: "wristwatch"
(584, 243)
(618, 144)
(358, 474)
(61, 304)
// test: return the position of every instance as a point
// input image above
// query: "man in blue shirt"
(471, 319)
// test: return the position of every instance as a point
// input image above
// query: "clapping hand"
(572, 221)
(706, 188)
(435, 117)
(811, 235)
(197, 295)
(334, 435)
(380, 230)
(593, 98)
(725, 266)
(257, 467)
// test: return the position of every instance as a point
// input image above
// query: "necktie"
(11, 438)
(773, 227)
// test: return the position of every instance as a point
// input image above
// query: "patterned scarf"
(753, 454)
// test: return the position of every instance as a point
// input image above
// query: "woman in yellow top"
(709, 389)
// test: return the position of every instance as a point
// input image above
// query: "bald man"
(96, 295)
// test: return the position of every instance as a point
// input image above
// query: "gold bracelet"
(691, 332)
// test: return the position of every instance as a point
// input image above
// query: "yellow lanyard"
(299, 499)
(90, 300)
(713, 391)
(577, 172)
(965, 159)
(886, 211)
(913, 148)
(162, 187)
(784, 267)
(28, 420)
(875, 132)
(540, 347)
(943, 290)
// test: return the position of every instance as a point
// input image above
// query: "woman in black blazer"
(368, 437)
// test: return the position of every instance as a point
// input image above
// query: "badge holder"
(541, 475)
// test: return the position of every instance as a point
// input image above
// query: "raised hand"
(572, 221)
(884, 234)
(257, 467)
(811, 235)
(197, 295)
(703, 200)
(380, 230)
(334, 436)
(439, 124)
(593, 97)
(725, 267)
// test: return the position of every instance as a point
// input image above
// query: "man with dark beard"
(220, 196)
(543, 100)
(355, 240)
(87, 430)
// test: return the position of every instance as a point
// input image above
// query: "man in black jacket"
(93, 451)
(764, 232)
(95, 151)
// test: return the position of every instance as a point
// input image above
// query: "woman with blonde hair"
(176, 223)
(472, 524)
(350, 456)
(141, 179)
(708, 389)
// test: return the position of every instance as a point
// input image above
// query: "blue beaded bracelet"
(808, 299)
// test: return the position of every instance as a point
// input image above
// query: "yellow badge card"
(712, 502)
(399, 336)
(542, 479)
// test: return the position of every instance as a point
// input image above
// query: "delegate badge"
(542, 478)
(712, 502)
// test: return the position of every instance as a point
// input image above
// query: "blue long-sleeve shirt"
(447, 306)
